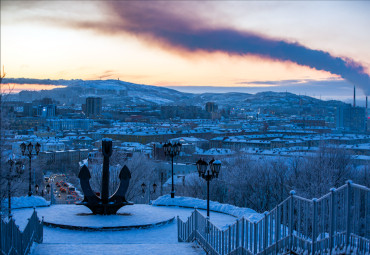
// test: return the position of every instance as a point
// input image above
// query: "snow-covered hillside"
(126, 93)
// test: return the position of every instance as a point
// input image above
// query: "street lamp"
(154, 188)
(208, 173)
(143, 186)
(48, 188)
(10, 176)
(28, 153)
(172, 150)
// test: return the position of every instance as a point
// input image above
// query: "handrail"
(297, 224)
(323, 197)
(14, 241)
(284, 201)
(341, 187)
(303, 199)
(360, 187)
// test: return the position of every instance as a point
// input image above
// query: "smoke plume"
(183, 31)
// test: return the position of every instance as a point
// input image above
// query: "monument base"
(105, 209)
(76, 217)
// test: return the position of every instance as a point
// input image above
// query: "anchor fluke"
(89, 194)
(125, 173)
(119, 195)
(84, 173)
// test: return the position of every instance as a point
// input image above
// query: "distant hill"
(116, 92)
(112, 91)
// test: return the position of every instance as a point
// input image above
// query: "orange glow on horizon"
(13, 88)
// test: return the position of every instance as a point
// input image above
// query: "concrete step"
(112, 249)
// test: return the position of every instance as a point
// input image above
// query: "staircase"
(110, 249)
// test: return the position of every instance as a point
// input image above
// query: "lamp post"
(48, 188)
(28, 153)
(172, 150)
(208, 173)
(143, 186)
(10, 176)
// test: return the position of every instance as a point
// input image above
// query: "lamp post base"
(172, 194)
(29, 193)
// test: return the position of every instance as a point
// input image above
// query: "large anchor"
(105, 205)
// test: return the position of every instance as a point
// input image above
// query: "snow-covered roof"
(217, 151)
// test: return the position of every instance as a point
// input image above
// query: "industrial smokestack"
(354, 96)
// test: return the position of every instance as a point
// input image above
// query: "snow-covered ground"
(26, 202)
(191, 202)
(156, 240)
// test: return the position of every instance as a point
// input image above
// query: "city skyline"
(297, 45)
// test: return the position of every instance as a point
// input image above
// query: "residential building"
(211, 107)
(351, 118)
(93, 106)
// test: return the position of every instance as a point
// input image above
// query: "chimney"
(354, 96)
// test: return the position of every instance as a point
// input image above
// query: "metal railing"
(338, 222)
(14, 241)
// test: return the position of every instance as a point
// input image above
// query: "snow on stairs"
(111, 249)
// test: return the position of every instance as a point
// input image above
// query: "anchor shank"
(107, 152)
(105, 181)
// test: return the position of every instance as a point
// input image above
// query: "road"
(62, 191)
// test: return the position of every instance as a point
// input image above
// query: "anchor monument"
(105, 205)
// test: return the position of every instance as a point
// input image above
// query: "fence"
(338, 222)
(14, 241)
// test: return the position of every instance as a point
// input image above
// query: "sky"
(317, 48)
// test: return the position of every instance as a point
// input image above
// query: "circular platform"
(79, 217)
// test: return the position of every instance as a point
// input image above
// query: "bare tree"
(2, 172)
(262, 183)
(140, 166)
(193, 187)
(329, 167)
(362, 175)
(14, 179)
(142, 170)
